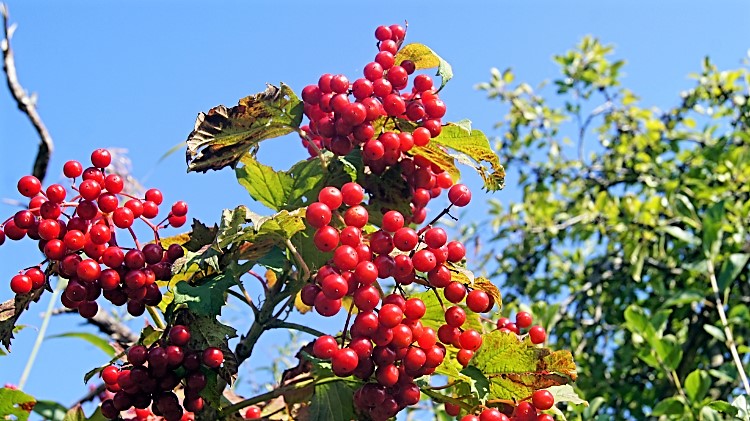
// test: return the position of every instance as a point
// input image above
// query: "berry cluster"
(78, 238)
(524, 320)
(541, 400)
(154, 372)
(338, 124)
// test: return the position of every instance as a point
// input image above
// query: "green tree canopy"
(631, 234)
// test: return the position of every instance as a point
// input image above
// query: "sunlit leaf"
(95, 340)
(424, 58)
(15, 403)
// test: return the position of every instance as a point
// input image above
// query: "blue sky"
(135, 75)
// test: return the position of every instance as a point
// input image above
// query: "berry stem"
(300, 261)
(156, 318)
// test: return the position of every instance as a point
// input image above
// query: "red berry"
(252, 413)
(72, 169)
(326, 238)
(382, 33)
(464, 356)
(21, 284)
(352, 194)
(318, 214)
(390, 315)
(478, 301)
(56, 193)
(29, 186)
(405, 239)
(455, 316)
(470, 339)
(424, 260)
(459, 195)
(213, 357)
(414, 309)
(179, 335)
(344, 361)
(537, 334)
(356, 216)
(542, 399)
(523, 319)
(435, 237)
(101, 158)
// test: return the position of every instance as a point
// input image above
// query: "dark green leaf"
(95, 340)
(333, 401)
(480, 385)
(11, 310)
(77, 414)
(683, 297)
(15, 403)
(669, 406)
(224, 135)
(206, 331)
(208, 297)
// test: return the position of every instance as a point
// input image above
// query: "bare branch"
(108, 325)
(25, 103)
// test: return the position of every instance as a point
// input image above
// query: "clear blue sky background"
(135, 75)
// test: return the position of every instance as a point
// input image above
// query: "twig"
(25, 103)
(288, 325)
(108, 325)
(727, 331)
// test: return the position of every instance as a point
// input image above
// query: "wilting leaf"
(424, 58)
(224, 135)
(516, 368)
(474, 146)
(11, 310)
(15, 403)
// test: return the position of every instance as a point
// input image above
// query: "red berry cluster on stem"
(153, 373)
(78, 237)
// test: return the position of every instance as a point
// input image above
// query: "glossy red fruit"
(459, 195)
(478, 301)
(344, 361)
(72, 169)
(542, 399)
(179, 335)
(101, 158)
(21, 284)
(537, 334)
(213, 357)
(252, 413)
(524, 319)
(29, 186)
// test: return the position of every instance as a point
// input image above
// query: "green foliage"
(424, 58)
(626, 211)
(332, 401)
(95, 340)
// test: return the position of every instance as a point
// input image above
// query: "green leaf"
(478, 382)
(464, 124)
(566, 393)
(683, 297)
(332, 401)
(716, 332)
(424, 58)
(681, 234)
(669, 406)
(697, 384)
(50, 410)
(224, 135)
(724, 406)
(712, 229)
(638, 323)
(743, 407)
(208, 297)
(473, 149)
(731, 268)
(77, 414)
(14, 403)
(517, 368)
(95, 340)
(230, 226)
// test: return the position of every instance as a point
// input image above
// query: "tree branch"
(107, 325)
(25, 103)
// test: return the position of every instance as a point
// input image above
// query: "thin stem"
(155, 316)
(727, 331)
(40, 335)
(300, 261)
(302, 328)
